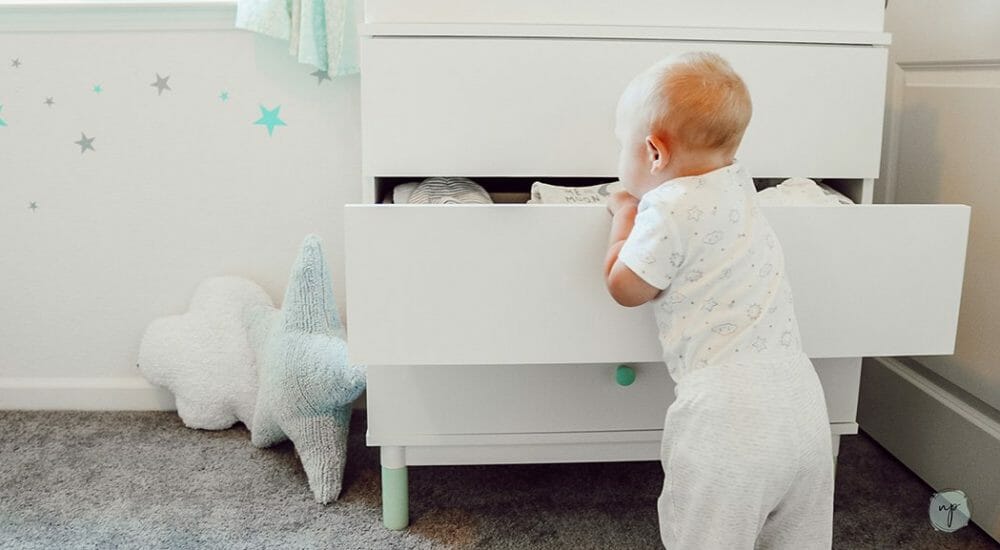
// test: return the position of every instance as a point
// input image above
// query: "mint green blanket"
(322, 33)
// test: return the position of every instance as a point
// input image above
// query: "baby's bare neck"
(696, 163)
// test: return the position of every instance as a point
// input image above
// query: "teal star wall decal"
(98, 89)
(2, 123)
(270, 118)
(224, 96)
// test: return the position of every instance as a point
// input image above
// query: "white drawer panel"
(498, 399)
(545, 107)
(467, 399)
(501, 284)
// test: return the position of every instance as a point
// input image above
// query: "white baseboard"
(947, 437)
(89, 394)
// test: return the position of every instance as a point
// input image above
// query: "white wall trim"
(937, 65)
(91, 394)
(958, 404)
(937, 430)
(131, 15)
(893, 125)
(973, 72)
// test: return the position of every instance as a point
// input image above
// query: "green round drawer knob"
(624, 375)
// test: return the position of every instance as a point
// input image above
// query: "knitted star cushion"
(307, 384)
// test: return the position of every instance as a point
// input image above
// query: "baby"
(746, 449)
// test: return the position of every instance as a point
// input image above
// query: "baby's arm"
(627, 288)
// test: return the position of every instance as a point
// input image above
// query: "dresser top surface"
(623, 32)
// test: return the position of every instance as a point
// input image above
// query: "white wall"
(181, 187)
(941, 415)
(944, 72)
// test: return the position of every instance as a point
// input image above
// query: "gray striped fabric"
(448, 190)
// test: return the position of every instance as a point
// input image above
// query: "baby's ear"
(657, 153)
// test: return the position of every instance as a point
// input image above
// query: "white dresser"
(487, 330)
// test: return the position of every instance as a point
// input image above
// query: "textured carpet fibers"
(143, 480)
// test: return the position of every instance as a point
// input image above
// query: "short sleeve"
(653, 250)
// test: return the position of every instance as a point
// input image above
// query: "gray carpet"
(143, 480)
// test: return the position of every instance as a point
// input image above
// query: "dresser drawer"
(546, 107)
(497, 399)
(509, 399)
(506, 284)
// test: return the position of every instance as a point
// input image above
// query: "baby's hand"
(621, 199)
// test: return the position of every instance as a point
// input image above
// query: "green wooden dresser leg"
(395, 498)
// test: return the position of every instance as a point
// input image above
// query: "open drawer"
(506, 284)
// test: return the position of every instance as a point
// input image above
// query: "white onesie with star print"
(746, 447)
(704, 240)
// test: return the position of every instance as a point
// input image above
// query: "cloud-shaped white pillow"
(204, 356)
(283, 372)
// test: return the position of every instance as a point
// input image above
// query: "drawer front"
(499, 399)
(531, 107)
(504, 284)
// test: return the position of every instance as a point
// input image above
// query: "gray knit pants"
(747, 459)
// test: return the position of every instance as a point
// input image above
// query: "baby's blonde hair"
(695, 98)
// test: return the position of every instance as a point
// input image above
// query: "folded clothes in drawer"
(441, 190)
(801, 191)
(404, 194)
(544, 193)
(466, 191)
(449, 190)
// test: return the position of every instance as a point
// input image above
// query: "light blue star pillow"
(204, 356)
(306, 383)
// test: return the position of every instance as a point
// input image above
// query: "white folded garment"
(401, 193)
(544, 193)
(800, 191)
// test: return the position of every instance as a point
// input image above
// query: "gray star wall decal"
(49, 101)
(161, 84)
(16, 63)
(85, 143)
(321, 75)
